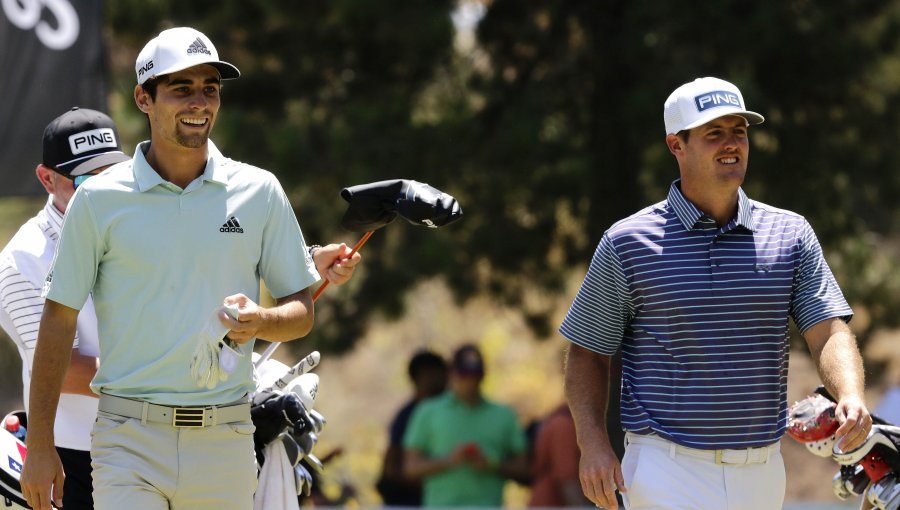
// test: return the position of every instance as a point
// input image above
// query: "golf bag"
(287, 429)
(872, 470)
(11, 466)
(281, 409)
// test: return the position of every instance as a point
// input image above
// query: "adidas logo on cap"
(232, 225)
(198, 47)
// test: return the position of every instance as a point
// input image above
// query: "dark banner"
(51, 58)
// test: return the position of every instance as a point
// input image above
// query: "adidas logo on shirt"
(198, 47)
(232, 225)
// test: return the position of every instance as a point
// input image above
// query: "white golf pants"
(155, 466)
(661, 475)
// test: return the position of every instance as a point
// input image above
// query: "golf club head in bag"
(304, 480)
(374, 205)
(291, 448)
(11, 467)
(872, 468)
(885, 493)
(274, 415)
(306, 441)
(306, 387)
(319, 421)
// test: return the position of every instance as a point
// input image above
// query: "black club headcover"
(374, 205)
(273, 415)
(424, 205)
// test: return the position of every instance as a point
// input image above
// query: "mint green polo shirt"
(440, 424)
(159, 260)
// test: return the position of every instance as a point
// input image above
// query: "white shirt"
(24, 264)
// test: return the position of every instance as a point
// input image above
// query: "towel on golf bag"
(276, 487)
(287, 429)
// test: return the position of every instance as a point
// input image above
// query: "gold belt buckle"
(746, 460)
(189, 417)
(719, 457)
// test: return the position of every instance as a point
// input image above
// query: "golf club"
(374, 205)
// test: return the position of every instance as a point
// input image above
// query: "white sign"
(26, 14)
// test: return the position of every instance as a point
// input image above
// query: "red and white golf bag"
(871, 470)
(13, 451)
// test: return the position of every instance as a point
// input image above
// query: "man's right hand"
(334, 263)
(41, 474)
(601, 474)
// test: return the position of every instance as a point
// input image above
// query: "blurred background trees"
(544, 118)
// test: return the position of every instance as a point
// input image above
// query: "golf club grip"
(355, 249)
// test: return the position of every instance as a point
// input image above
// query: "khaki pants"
(154, 466)
(660, 476)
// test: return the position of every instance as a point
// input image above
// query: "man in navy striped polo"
(697, 292)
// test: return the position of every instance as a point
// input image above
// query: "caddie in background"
(147, 240)
(78, 144)
(697, 292)
(462, 445)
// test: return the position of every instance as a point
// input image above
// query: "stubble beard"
(192, 141)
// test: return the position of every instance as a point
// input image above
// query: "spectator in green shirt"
(461, 445)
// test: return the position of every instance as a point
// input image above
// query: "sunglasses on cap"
(78, 180)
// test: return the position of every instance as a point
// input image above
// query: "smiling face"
(185, 108)
(715, 155)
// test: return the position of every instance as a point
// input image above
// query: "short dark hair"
(684, 134)
(150, 85)
(424, 360)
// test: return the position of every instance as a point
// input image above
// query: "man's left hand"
(856, 422)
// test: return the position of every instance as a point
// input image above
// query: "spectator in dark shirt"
(428, 373)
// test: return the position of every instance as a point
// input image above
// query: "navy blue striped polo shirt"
(701, 315)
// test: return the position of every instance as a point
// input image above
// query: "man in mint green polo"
(463, 446)
(161, 243)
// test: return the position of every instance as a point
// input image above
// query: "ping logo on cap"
(717, 98)
(145, 68)
(92, 140)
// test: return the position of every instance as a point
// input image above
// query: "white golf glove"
(214, 358)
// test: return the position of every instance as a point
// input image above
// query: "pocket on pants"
(631, 465)
(243, 428)
(107, 422)
(778, 481)
(641, 480)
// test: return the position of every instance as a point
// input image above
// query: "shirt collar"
(54, 217)
(459, 402)
(688, 213)
(146, 177)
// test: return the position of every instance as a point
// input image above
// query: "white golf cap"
(177, 49)
(702, 100)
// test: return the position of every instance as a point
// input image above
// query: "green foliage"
(548, 129)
